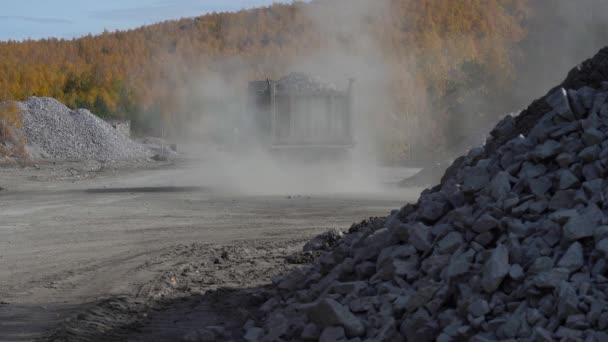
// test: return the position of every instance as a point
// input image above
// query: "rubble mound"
(512, 245)
(62, 133)
(301, 83)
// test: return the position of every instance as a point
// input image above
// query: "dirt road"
(72, 234)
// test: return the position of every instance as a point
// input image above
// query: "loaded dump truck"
(302, 115)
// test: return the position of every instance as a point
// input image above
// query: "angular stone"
(495, 269)
(573, 258)
(546, 150)
(478, 307)
(475, 178)
(559, 101)
(394, 252)
(567, 300)
(458, 265)
(516, 272)
(420, 236)
(565, 159)
(575, 103)
(407, 269)
(450, 243)
(540, 265)
(568, 180)
(602, 246)
(589, 154)
(310, 332)
(593, 136)
(374, 243)
(252, 334)
(421, 297)
(581, 226)
(530, 170)
(431, 211)
(562, 216)
(332, 334)
(542, 335)
(563, 199)
(420, 327)
(327, 312)
(539, 186)
(484, 223)
(345, 288)
(551, 278)
(500, 185)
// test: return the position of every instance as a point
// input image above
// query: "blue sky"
(22, 19)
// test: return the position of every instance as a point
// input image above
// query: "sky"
(35, 19)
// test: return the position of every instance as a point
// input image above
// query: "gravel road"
(75, 233)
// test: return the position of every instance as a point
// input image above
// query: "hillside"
(415, 61)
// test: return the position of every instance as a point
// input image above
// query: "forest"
(437, 57)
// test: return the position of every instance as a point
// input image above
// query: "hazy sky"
(22, 19)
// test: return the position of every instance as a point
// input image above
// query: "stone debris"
(302, 83)
(511, 245)
(61, 133)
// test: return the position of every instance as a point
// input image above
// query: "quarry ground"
(151, 250)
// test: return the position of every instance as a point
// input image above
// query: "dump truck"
(299, 114)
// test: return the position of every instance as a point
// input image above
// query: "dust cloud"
(221, 131)
(235, 155)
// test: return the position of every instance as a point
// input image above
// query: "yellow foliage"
(12, 141)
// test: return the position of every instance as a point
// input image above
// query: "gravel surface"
(512, 244)
(61, 133)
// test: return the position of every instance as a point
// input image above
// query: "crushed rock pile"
(512, 245)
(301, 83)
(58, 132)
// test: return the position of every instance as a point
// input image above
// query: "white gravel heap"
(75, 134)
(511, 246)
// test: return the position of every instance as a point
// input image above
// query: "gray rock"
(478, 307)
(253, 334)
(542, 335)
(310, 332)
(420, 236)
(602, 246)
(575, 103)
(62, 133)
(500, 186)
(540, 265)
(593, 136)
(552, 278)
(332, 334)
(568, 180)
(485, 223)
(581, 226)
(459, 265)
(573, 258)
(419, 327)
(565, 159)
(450, 243)
(495, 269)
(431, 211)
(539, 186)
(327, 312)
(345, 288)
(559, 101)
(589, 154)
(516, 272)
(563, 199)
(530, 170)
(567, 300)
(548, 149)
(421, 297)
(475, 178)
